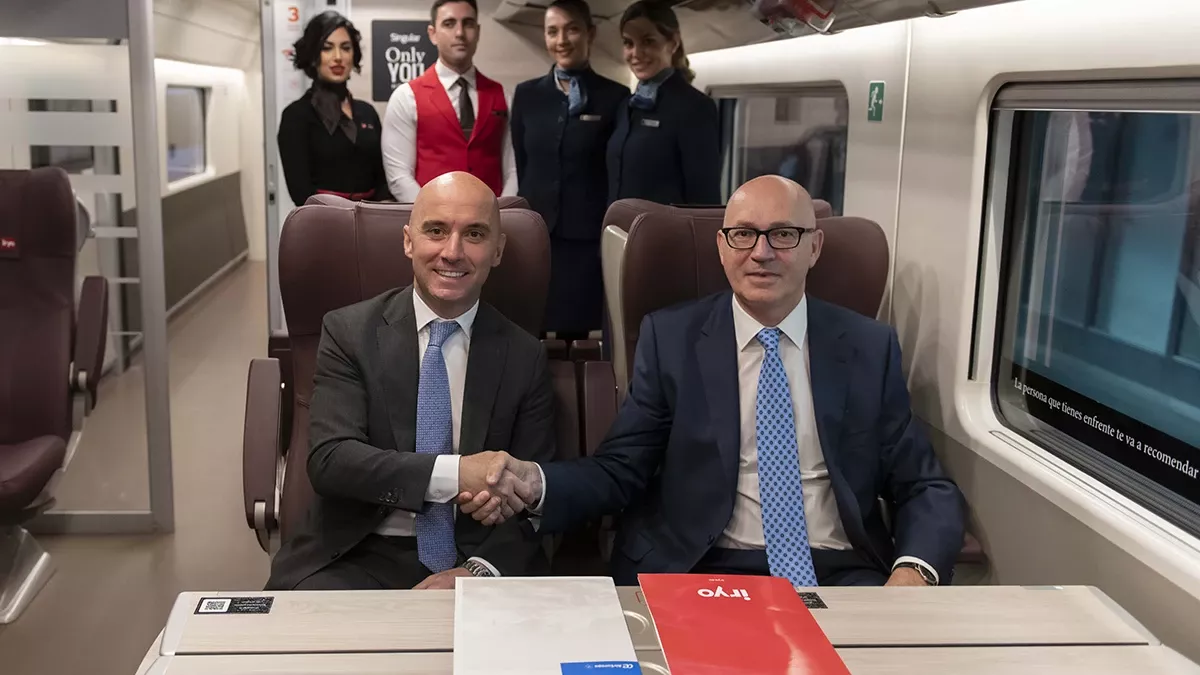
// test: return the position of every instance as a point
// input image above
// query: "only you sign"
(400, 51)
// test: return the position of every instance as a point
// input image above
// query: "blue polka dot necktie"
(779, 487)
(435, 436)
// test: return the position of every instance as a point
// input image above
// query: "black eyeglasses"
(777, 237)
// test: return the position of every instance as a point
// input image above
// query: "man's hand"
(506, 475)
(441, 580)
(505, 497)
(905, 576)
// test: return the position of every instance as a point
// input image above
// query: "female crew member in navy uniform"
(561, 123)
(666, 147)
(329, 142)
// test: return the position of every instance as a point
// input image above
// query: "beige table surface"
(1047, 660)
(423, 621)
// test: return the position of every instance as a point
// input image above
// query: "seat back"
(671, 257)
(334, 256)
(853, 269)
(619, 220)
(37, 303)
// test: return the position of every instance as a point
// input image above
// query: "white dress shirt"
(399, 141)
(443, 483)
(745, 528)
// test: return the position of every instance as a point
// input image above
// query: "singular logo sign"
(404, 38)
(722, 593)
(8, 244)
(400, 52)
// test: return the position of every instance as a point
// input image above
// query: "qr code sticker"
(215, 606)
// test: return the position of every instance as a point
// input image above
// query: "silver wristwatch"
(477, 569)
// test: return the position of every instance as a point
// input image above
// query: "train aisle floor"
(111, 594)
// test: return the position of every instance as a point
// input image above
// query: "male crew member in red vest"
(451, 118)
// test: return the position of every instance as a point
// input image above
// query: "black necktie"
(466, 114)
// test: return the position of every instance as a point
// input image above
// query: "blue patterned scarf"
(577, 94)
(645, 97)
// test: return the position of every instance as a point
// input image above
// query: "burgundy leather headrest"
(672, 257)
(333, 256)
(29, 200)
(853, 269)
(328, 200)
(822, 208)
(513, 203)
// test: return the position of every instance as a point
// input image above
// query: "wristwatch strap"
(476, 569)
(925, 573)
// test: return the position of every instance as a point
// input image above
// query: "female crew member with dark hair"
(329, 142)
(666, 147)
(561, 123)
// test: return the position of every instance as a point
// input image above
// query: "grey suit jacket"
(362, 463)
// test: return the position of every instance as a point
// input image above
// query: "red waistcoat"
(441, 147)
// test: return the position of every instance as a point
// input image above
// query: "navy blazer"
(669, 155)
(560, 158)
(671, 458)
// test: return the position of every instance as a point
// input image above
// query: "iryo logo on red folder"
(722, 593)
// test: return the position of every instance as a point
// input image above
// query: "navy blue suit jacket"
(670, 460)
(560, 157)
(669, 155)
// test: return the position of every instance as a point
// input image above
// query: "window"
(1099, 344)
(799, 134)
(186, 133)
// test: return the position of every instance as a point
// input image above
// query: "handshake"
(495, 486)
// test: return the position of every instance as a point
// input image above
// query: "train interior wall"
(921, 173)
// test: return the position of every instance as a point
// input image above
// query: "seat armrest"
(91, 337)
(556, 350)
(599, 413)
(599, 402)
(585, 350)
(568, 439)
(261, 451)
(279, 347)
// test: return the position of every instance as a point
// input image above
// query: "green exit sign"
(875, 101)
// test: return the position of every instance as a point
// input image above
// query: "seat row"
(334, 253)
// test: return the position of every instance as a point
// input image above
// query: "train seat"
(333, 256)
(51, 361)
(670, 256)
(395, 215)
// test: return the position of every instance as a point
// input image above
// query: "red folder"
(736, 625)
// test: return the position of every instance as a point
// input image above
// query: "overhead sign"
(400, 51)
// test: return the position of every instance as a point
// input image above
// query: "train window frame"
(731, 104)
(1001, 276)
(205, 168)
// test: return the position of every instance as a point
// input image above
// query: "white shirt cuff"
(492, 568)
(918, 561)
(536, 509)
(443, 483)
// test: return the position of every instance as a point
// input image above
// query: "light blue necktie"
(779, 488)
(435, 436)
